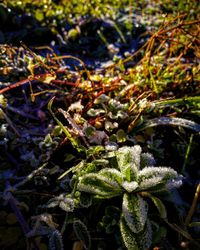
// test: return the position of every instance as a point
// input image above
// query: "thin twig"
(10, 122)
(193, 206)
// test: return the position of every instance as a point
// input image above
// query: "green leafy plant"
(82, 233)
(134, 178)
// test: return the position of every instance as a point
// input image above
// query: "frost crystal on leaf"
(148, 183)
(135, 210)
(111, 146)
(112, 174)
(130, 186)
(158, 178)
(174, 183)
(67, 204)
(128, 236)
(163, 172)
(144, 238)
(55, 240)
(147, 160)
(82, 233)
(99, 185)
(128, 159)
(76, 106)
(63, 202)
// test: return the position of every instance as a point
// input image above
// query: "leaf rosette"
(134, 178)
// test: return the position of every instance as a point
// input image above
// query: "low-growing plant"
(135, 179)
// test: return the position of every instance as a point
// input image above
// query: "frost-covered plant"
(112, 109)
(134, 178)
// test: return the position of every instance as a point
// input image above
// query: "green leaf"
(128, 236)
(100, 162)
(102, 99)
(144, 238)
(128, 159)
(82, 233)
(158, 178)
(147, 160)
(134, 210)
(3, 100)
(94, 150)
(152, 184)
(85, 199)
(110, 220)
(54, 202)
(112, 174)
(55, 240)
(159, 233)
(39, 15)
(67, 204)
(95, 112)
(121, 136)
(136, 241)
(98, 185)
(160, 206)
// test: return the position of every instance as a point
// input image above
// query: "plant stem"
(187, 153)
(193, 206)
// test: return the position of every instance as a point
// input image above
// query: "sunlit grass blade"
(169, 121)
(191, 101)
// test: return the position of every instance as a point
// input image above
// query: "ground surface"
(79, 80)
